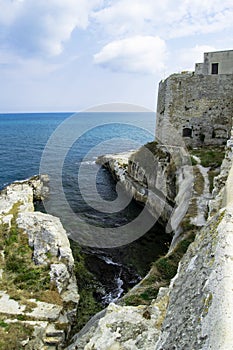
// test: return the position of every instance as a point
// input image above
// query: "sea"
(31, 141)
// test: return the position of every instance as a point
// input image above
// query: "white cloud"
(197, 17)
(141, 54)
(127, 17)
(166, 18)
(41, 27)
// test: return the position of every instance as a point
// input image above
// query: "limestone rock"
(199, 315)
(122, 328)
(134, 183)
(46, 236)
(24, 193)
(20, 194)
(40, 186)
(10, 306)
(163, 182)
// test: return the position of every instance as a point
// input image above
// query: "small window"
(214, 69)
(187, 132)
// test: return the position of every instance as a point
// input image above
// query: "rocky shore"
(184, 302)
(38, 289)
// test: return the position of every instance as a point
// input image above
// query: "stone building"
(198, 104)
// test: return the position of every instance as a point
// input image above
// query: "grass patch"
(12, 335)
(199, 181)
(149, 294)
(134, 300)
(167, 267)
(144, 298)
(18, 264)
(210, 156)
(193, 161)
(51, 297)
(22, 279)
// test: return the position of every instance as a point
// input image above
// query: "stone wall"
(223, 60)
(200, 107)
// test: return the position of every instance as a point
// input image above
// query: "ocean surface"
(24, 138)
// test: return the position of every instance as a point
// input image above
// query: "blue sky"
(68, 55)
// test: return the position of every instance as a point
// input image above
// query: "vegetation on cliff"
(23, 281)
(211, 157)
(21, 278)
(165, 268)
(160, 274)
(87, 285)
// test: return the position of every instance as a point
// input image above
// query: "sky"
(70, 55)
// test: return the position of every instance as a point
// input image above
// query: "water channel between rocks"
(117, 269)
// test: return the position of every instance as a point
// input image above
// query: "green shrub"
(3, 324)
(149, 294)
(166, 267)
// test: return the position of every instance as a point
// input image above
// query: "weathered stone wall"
(224, 60)
(200, 107)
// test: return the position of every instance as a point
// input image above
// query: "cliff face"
(195, 311)
(200, 296)
(38, 290)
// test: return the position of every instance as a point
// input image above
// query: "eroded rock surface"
(125, 327)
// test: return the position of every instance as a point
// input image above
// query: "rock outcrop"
(38, 289)
(124, 327)
(156, 176)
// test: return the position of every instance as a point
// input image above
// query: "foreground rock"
(38, 290)
(125, 327)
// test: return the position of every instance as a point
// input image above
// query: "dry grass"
(12, 335)
(51, 297)
(199, 181)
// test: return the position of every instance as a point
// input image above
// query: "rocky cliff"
(152, 176)
(38, 289)
(194, 311)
